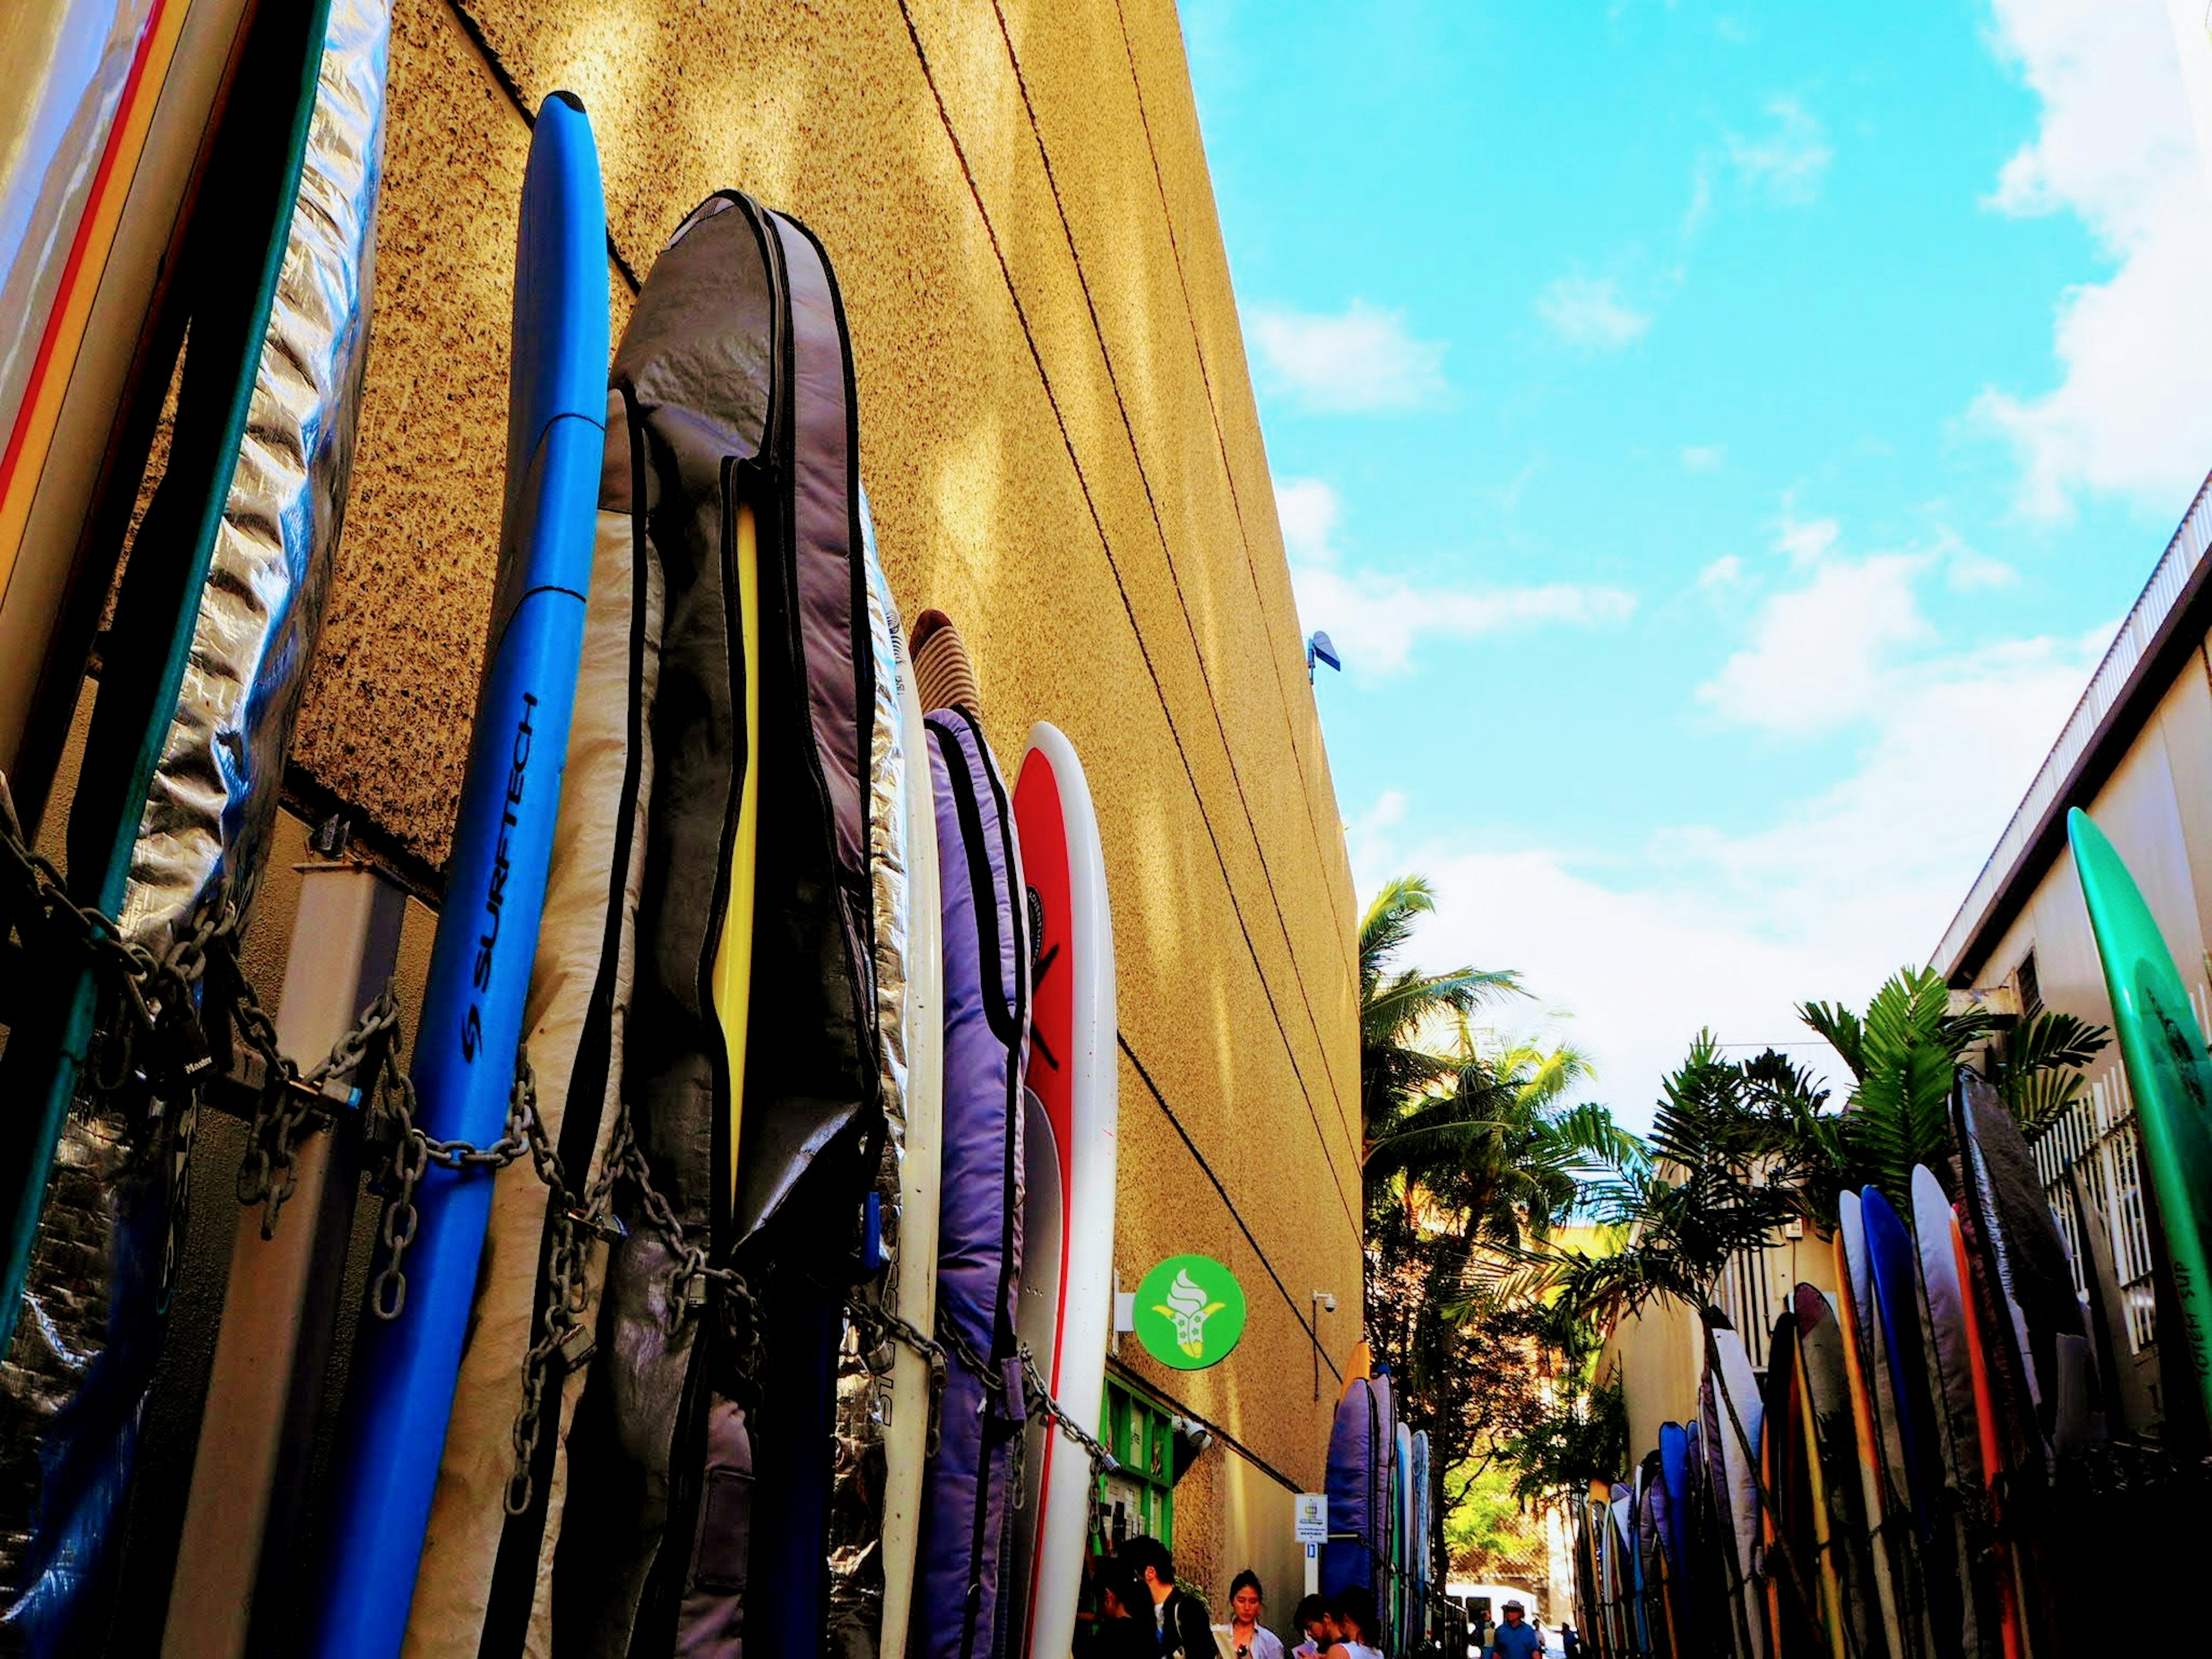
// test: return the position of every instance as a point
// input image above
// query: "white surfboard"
(1072, 1074)
(906, 1437)
(1742, 1420)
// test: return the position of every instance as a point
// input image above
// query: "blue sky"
(1721, 440)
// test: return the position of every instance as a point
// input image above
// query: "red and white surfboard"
(1067, 1236)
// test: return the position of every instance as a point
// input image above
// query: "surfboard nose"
(561, 337)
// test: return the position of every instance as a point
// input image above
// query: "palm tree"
(1717, 1184)
(1903, 1058)
(1403, 1011)
(1492, 1147)
(1472, 1146)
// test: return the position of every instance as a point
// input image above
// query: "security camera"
(1327, 1302)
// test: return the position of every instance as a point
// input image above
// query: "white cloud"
(1359, 361)
(1375, 618)
(1806, 541)
(1726, 571)
(1704, 458)
(1790, 157)
(1969, 572)
(1587, 311)
(1822, 654)
(1703, 927)
(2114, 146)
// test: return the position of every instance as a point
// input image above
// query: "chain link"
(159, 1032)
(153, 991)
(878, 1326)
(1036, 1397)
(1102, 1461)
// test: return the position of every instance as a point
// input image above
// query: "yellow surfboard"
(1360, 1366)
(732, 977)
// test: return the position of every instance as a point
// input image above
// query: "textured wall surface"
(1061, 445)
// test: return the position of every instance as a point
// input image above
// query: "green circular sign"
(1190, 1312)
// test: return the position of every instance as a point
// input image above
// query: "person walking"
(1182, 1628)
(1356, 1627)
(1120, 1634)
(1314, 1623)
(1248, 1638)
(1515, 1637)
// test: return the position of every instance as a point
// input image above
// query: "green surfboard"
(2163, 1048)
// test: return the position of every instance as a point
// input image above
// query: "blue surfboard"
(402, 1389)
(1895, 1259)
(1674, 1471)
(1891, 1252)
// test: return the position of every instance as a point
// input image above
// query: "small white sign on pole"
(1310, 1516)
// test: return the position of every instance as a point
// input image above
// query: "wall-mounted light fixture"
(1319, 649)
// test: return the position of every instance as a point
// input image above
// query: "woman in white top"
(1355, 1619)
(1248, 1638)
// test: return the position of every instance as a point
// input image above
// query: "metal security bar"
(1746, 1296)
(2096, 1136)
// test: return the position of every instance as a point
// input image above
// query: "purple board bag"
(970, 1481)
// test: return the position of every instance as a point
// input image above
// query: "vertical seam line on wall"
(1215, 1429)
(1212, 405)
(1083, 483)
(1168, 1112)
(1160, 529)
(510, 84)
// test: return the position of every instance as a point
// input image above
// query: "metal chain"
(292, 1105)
(1102, 1461)
(577, 1223)
(566, 1339)
(153, 990)
(414, 1151)
(154, 993)
(1035, 1397)
(878, 1326)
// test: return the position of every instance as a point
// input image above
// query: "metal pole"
(264, 1387)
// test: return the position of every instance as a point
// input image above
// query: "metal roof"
(2166, 622)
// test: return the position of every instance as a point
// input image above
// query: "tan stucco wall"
(1061, 449)
(1657, 1356)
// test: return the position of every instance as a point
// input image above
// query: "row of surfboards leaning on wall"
(1953, 1453)
(779, 1316)
(1381, 1509)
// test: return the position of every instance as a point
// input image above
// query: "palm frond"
(2038, 1071)
(1588, 1132)
(1842, 1028)
(1900, 1113)
(1388, 921)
